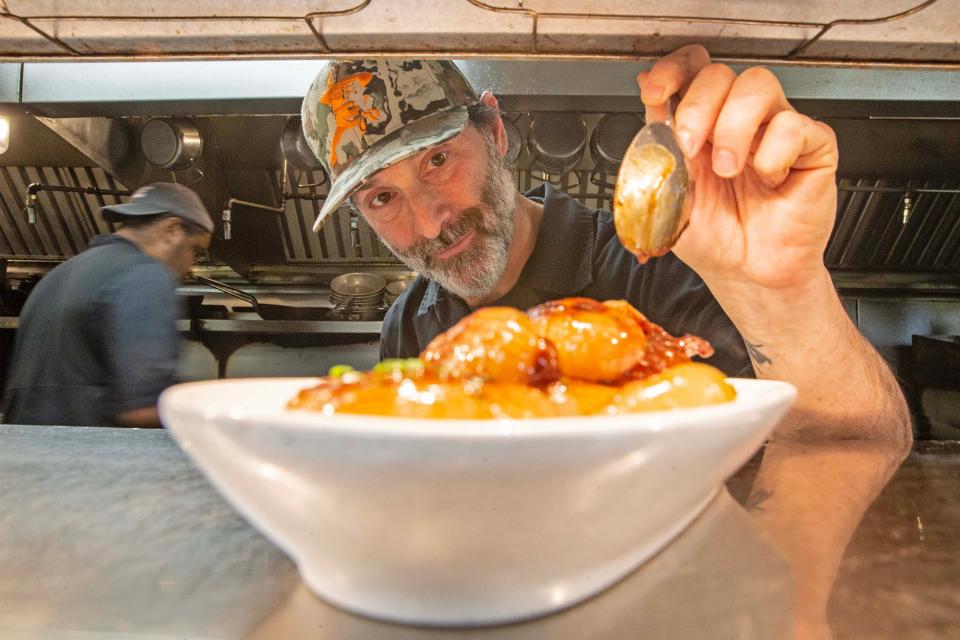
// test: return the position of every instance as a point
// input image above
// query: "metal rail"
(830, 25)
(315, 18)
(824, 27)
(34, 188)
(307, 19)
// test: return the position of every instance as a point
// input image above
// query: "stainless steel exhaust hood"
(269, 87)
(886, 77)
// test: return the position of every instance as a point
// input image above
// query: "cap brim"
(417, 136)
(133, 209)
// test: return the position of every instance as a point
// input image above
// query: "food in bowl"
(466, 522)
(567, 357)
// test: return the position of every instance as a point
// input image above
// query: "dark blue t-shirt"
(96, 337)
(578, 253)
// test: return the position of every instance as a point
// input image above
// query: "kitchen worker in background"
(97, 339)
(409, 146)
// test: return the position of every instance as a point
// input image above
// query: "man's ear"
(496, 128)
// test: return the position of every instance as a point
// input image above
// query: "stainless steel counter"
(12, 322)
(286, 327)
(281, 327)
(114, 533)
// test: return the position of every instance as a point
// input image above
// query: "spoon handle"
(672, 102)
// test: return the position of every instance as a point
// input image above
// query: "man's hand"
(764, 206)
(765, 197)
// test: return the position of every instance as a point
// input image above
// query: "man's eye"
(381, 199)
(438, 159)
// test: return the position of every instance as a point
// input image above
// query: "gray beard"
(473, 272)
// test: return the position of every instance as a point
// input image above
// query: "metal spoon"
(654, 192)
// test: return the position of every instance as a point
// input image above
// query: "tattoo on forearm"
(757, 498)
(756, 354)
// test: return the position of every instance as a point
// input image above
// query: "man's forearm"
(805, 337)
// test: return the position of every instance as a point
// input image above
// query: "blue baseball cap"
(162, 198)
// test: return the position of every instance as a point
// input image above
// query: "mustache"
(469, 220)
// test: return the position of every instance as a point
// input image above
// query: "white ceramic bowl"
(463, 522)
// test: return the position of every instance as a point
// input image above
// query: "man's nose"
(429, 214)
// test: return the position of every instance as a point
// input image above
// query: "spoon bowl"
(654, 193)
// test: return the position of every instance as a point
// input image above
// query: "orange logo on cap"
(351, 108)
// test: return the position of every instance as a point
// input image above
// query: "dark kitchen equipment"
(294, 148)
(14, 294)
(557, 141)
(171, 143)
(936, 361)
(247, 223)
(935, 364)
(193, 309)
(268, 311)
(4, 298)
(611, 137)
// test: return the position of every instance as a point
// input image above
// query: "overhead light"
(4, 134)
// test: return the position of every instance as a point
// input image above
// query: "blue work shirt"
(96, 337)
(578, 253)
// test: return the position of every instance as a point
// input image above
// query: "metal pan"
(268, 311)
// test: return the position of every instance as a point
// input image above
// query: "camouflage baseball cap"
(361, 116)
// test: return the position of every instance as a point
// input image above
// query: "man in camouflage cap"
(422, 160)
(362, 117)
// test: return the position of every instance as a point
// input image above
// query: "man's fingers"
(755, 97)
(698, 111)
(734, 113)
(652, 113)
(671, 74)
(793, 141)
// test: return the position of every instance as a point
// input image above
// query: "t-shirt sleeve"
(142, 338)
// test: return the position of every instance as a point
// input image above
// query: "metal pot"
(294, 147)
(557, 141)
(359, 284)
(171, 143)
(611, 137)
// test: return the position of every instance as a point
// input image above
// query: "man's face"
(191, 248)
(446, 212)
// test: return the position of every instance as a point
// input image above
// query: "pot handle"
(230, 291)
